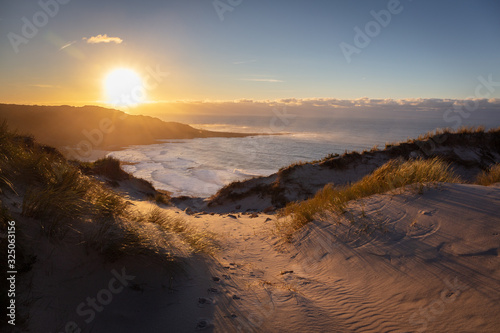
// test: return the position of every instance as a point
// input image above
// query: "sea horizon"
(200, 167)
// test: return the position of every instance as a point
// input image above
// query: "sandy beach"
(431, 265)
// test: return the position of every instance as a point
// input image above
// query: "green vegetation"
(490, 176)
(394, 174)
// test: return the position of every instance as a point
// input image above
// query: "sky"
(226, 50)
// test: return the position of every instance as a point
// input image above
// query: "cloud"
(263, 80)
(67, 44)
(434, 108)
(365, 104)
(103, 39)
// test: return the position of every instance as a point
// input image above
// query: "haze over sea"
(200, 167)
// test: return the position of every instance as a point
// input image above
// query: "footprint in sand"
(422, 227)
(203, 324)
(203, 302)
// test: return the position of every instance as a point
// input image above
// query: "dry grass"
(392, 175)
(109, 167)
(154, 234)
(490, 176)
(64, 200)
(160, 197)
(66, 195)
(445, 131)
(204, 242)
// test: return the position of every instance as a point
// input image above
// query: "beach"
(200, 167)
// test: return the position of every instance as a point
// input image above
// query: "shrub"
(491, 176)
(108, 167)
(162, 198)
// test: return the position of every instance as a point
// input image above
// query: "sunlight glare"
(124, 87)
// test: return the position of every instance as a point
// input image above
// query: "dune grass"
(108, 166)
(447, 136)
(53, 191)
(490, 176)
(204, 242)
(57, 194)
(160, 197)
(63, 194)
(394, 174)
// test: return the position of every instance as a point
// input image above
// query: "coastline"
(229, 266)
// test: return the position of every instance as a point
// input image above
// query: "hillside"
(77, 226)
(79, 130)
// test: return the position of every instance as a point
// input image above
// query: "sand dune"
(415, 259)
(430, 265)
(467, 153)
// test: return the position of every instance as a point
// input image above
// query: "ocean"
(200, 167)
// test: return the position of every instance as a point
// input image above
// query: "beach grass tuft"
(490, 176)
(109, 167)
(204, 242)
(64, 197)
(394, 174)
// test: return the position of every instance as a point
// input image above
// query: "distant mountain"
(82, 129)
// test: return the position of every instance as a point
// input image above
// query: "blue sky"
(261, 50)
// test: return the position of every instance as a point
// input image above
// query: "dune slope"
(469, 152)
(408, 263)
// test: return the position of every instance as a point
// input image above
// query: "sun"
(124, 87)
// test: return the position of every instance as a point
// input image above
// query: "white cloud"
(103, 39)
(365, 104)
(333, 106)
(67, 44)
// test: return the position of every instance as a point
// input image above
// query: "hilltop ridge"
(77, 131)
